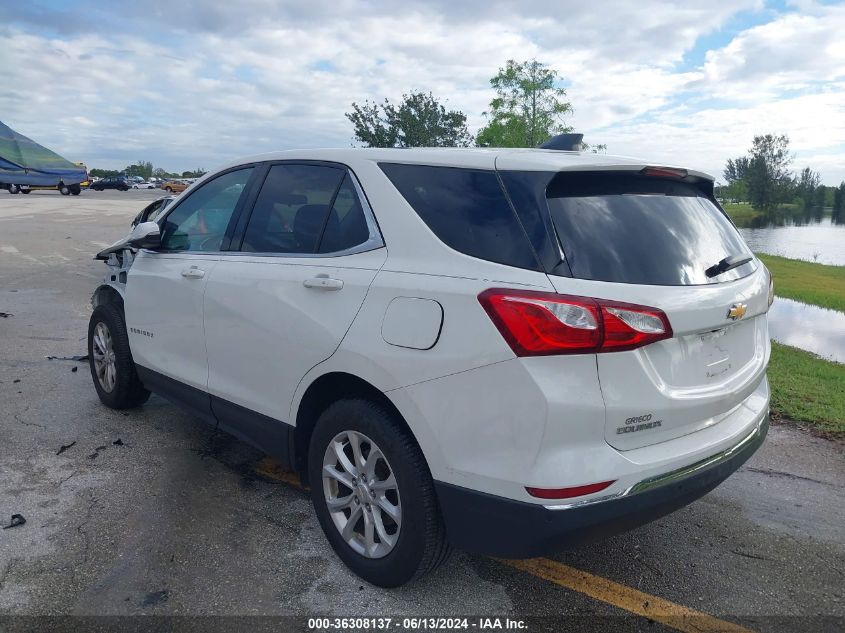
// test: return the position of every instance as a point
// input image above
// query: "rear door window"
(641, 230)
(466, 209)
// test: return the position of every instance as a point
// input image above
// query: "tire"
(26, 191)
(75, 190)
(168, 189)
(13, 189)
(419, 544)
(64, 189)
(124, 390)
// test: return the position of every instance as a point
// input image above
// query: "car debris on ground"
(17, 519)
(64, 447)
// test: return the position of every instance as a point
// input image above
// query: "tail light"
(664, 172)
(546, 323)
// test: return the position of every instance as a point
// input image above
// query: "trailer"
(24, 164)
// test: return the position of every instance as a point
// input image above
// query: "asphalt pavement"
(152, 512)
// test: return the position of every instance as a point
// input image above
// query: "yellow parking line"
(631, 600)
(646, 605)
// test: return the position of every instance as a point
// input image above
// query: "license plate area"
(715, 354)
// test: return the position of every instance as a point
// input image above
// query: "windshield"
(638, 230)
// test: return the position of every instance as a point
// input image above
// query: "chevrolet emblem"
(737, 311)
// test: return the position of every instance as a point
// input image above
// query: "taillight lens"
(545, 323)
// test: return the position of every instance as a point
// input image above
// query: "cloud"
(791, 53)
(187, 84)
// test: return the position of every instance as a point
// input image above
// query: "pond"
(814, 239)
(808, 327)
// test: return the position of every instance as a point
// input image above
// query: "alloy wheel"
(104, 357)
(361, 494)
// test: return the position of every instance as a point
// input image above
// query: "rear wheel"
(26, 191)
(110, 360)
(374, 495)
(13, 189)
(75, 189)
(64, 189)
(169, 189)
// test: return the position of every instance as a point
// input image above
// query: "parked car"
(508, 351)
(110, 183)
(143, 185)
(174, 186)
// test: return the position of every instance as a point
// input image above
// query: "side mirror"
(145, 235)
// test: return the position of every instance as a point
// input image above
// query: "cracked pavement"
(180, 519)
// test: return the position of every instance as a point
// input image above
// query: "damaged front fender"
(113, 288)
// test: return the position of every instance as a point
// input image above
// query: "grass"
(808, 389)
(741, 213)
(817, 284)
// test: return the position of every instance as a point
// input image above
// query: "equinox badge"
(737, 311)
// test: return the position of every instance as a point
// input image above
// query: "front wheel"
(64, 189)
(26, 190)
(75, 189)
(374, 495)
(13, 189)
(110, 360)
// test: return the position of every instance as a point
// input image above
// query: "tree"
(599, 148)
(419, 120)
(839, 199)
(102, 173)
(806, 186)
(158, 172)
(768, 176)
(198, 172)
(144, 169)
(736, 169)
(528, 107)
(734, 191)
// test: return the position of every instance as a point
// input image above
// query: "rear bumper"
(487, 524)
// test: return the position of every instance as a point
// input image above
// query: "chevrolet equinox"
(503, 351)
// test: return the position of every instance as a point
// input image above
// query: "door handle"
(323, 282)
(193, 273)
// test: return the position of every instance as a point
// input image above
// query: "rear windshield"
(639, 230)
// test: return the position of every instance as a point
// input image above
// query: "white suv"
(504, 351)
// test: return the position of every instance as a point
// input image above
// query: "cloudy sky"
(195, 83)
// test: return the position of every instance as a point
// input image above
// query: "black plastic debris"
(118, 442)
(79, 359)
(17, 519)
(5, 315)
(16, 380)
(73, 369)
(64, 447)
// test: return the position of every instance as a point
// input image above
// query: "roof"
(470, 157)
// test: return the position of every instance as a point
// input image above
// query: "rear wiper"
(728, 263)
